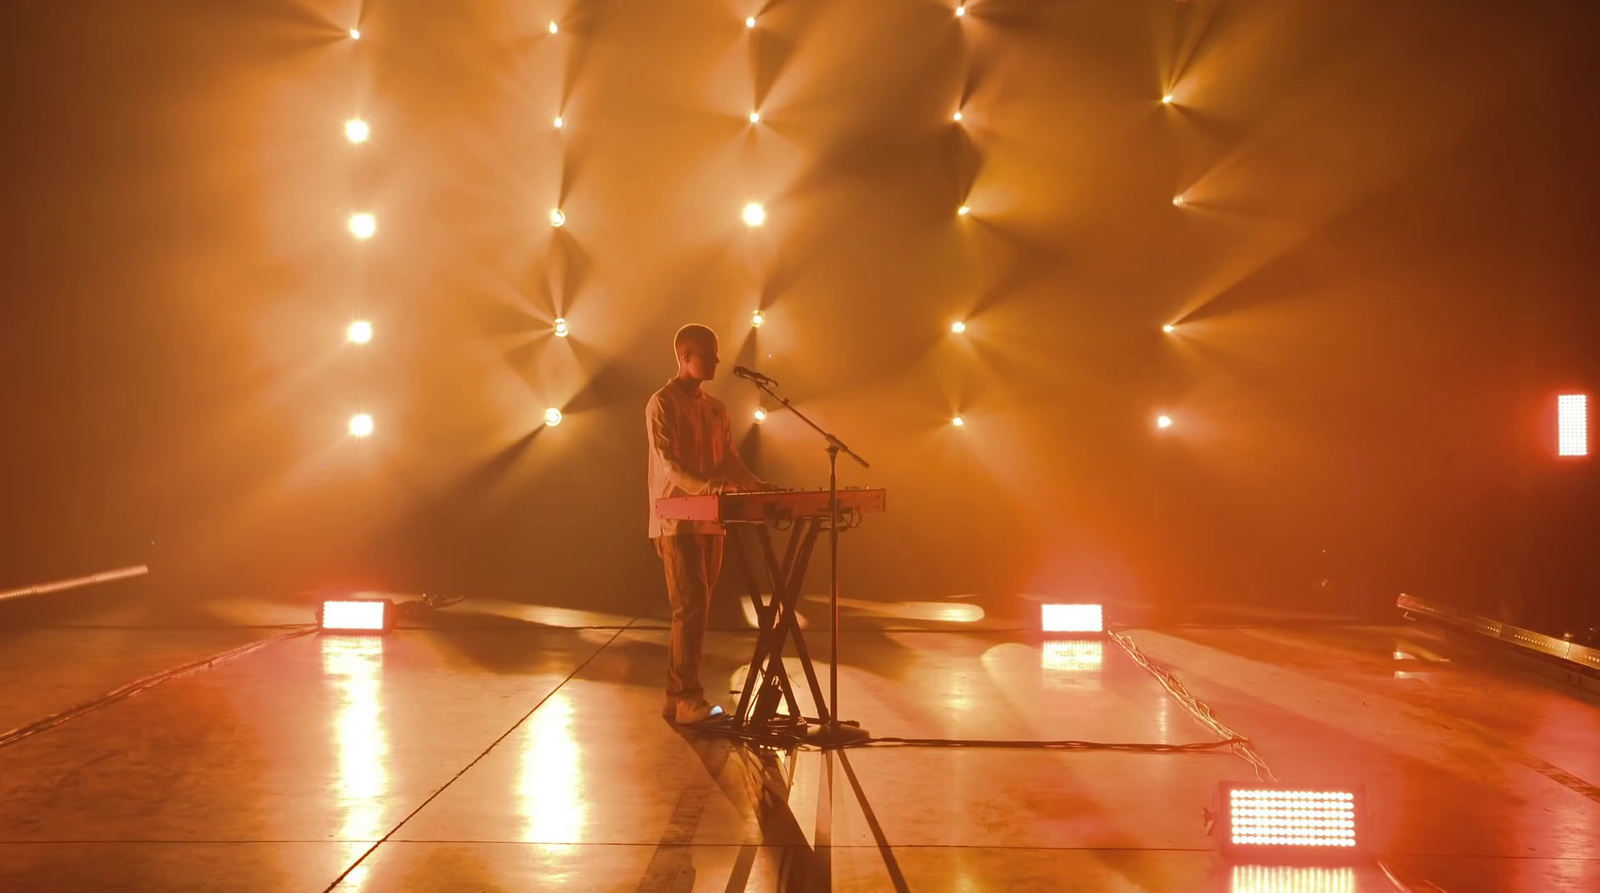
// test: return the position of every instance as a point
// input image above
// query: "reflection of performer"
(691, 453)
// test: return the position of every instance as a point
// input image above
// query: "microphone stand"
(833, 733)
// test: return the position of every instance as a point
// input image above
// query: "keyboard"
(777, 505)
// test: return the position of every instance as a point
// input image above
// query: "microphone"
(752, 375)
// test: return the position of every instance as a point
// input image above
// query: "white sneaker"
(696, 711)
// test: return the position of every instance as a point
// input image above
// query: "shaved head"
(692, 335)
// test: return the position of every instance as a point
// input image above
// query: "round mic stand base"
(836, 734)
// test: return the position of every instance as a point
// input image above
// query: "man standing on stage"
(691, 453)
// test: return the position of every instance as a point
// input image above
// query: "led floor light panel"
(356, 615)
(1572, 425)
(1071, 619)
(1282, 821)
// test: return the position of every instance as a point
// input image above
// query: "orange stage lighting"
(552, 417)
(363, 225)
(361, 425)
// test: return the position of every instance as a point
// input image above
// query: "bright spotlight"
(754, 214)
(361, 425)
(959, 422)
(958, 327)
(355, 615)
(957, 116)
(1572, 425)
(1266, 821)
(1071, 619)
(750, 22)
(961, 10)
(964, 210)
(755, 117)
(363, 225)
(557, 217)
(760, 415)
(359, 332)
(554, 28)
(1169, 328)
(757, 319)
(356, 130)
(1164, 421)
(560, 122)
(1167, 99)
(1179, 201)
(560, 327)
(355, 33)
(552, 417)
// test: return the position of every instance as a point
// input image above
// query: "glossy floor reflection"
(521, 756)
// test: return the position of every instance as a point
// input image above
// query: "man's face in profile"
(700, 359)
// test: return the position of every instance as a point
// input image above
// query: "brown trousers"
(693, 561)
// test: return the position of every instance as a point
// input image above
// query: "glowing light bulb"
(359, 332)
(959, 422)
(1167, 99)
(356, 130)
(757, 318)
(1179, 201)
(552, 417)
(1164, 421)
(363, 225)
(560, 327)
(961, 10)
(557, 217)
(760, 415)
(958, 327)
(560, 122)
(355, 33)
(750, 22)
(1169, 328)
(964, 210)
(754, 214)
(554, 28)
(361, 425)
(957, 116)
(755, 117)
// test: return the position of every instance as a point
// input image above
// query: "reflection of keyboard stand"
(767, 698)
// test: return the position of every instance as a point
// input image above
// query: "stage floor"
(526, 756)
